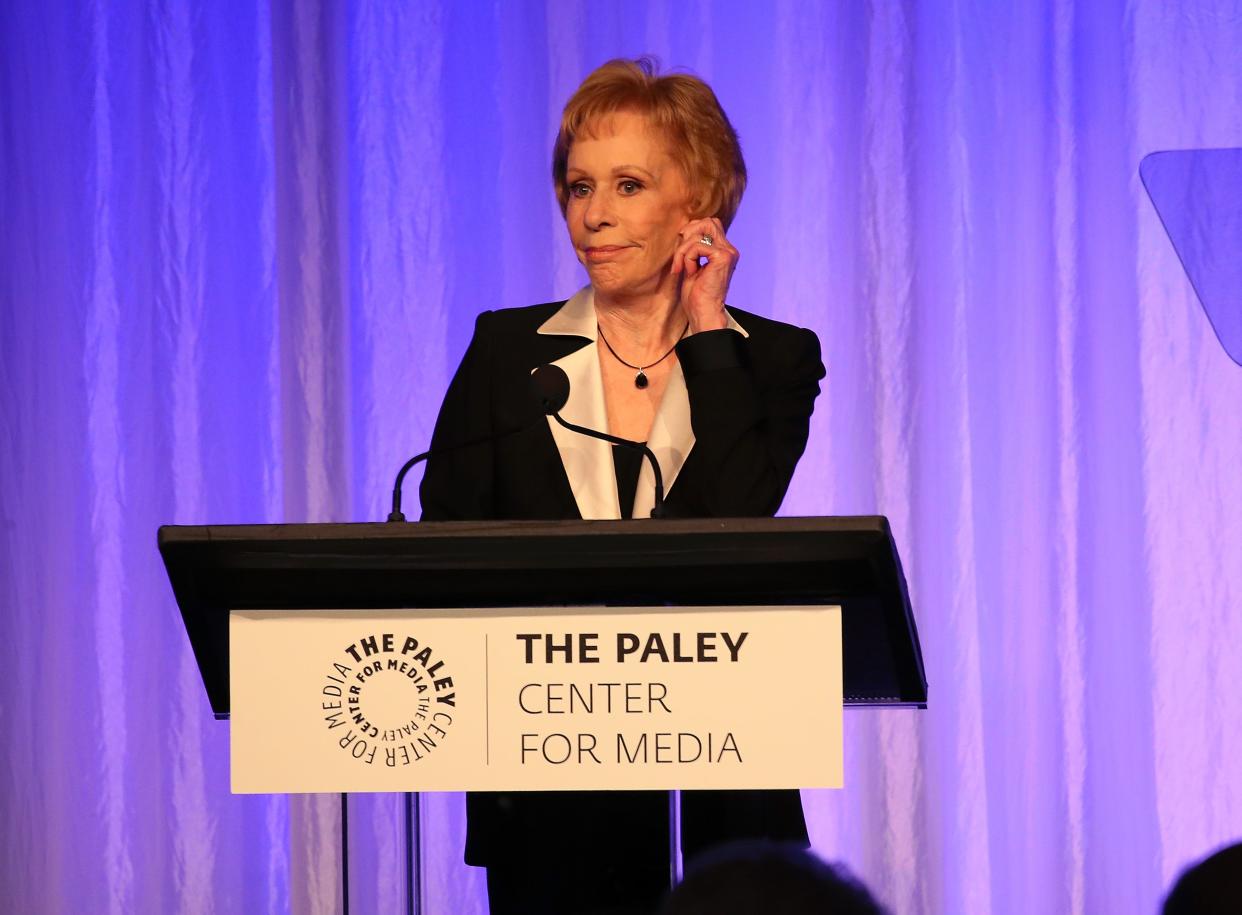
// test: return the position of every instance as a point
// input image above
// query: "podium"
(738, 564)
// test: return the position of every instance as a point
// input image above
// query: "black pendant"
(640, 380)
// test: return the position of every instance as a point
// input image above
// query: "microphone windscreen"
(551, 386)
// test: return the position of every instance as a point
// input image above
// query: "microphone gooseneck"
(396, 513)
(551, 386)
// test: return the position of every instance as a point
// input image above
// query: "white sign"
(536, 699)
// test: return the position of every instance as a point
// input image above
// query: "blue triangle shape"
(1198, 196)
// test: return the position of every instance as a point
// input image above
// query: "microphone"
(551, 386)
(396, 514)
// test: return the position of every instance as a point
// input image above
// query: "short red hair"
(701, 140)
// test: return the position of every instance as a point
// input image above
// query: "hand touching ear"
(703, 288)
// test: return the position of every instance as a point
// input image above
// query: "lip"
(604, 252)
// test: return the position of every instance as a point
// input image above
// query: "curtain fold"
(242, 247)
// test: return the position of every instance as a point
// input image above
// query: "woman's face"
(627, 201)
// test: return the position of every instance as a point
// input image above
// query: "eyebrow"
(619, 170)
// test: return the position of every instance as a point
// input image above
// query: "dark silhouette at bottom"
(771, 878)
(1211, 887)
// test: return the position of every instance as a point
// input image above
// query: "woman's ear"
(702, 204)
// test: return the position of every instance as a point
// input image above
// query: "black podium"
(761, 562)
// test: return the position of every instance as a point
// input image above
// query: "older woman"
(649, 175)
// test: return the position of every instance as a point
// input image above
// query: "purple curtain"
(242, 248)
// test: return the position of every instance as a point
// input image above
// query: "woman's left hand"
(703, 288)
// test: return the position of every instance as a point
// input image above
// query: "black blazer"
(750, 402)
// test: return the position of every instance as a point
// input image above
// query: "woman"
(649, 175)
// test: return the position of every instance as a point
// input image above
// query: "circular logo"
(388, 700)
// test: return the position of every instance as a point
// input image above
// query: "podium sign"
(592, 698)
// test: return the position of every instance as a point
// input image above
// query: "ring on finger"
(706, 240)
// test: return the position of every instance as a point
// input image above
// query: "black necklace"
(640, 379)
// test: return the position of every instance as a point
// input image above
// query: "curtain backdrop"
(243, 245)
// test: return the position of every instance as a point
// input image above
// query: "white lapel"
(588, 461)
(670, 441)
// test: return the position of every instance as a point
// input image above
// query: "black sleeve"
(751, 412)
(459, 486)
